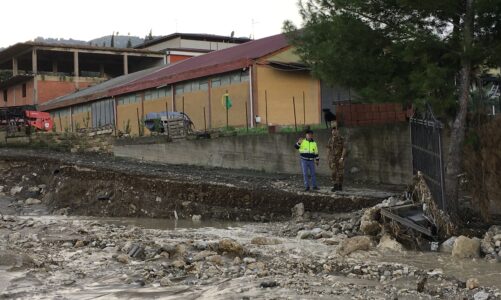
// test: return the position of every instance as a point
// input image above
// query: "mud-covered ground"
(246, 178)
(104, 186)
(59, 257)
(48, 250)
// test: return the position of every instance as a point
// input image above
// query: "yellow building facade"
(272, 89)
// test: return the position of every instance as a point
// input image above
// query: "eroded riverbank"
(102, 186)
(315, 250)
(72, 258)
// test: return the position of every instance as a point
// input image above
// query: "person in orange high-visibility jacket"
(308, 153)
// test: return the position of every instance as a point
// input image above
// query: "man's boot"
(335, 188)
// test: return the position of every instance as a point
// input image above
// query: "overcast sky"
(84, 20)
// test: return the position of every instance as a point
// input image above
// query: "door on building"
(103, 113)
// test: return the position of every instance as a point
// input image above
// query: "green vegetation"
(419, 51)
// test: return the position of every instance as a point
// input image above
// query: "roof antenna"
(253, 22)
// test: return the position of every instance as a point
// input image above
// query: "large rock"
(203, 254)
(488, 244)
(15, 190)
(31, 201)
(446, 246)
(482, 295)
(230, 246)
(388, 243)
(368, 223)
(298, 210)
(304, 234)
(466, 248)
(472, 283)
(353, 244)
(122, 258)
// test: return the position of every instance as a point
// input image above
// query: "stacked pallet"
(175, 128)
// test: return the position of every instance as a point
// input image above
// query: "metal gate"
(427, 156)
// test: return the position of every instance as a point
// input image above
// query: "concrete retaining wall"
(377, 154)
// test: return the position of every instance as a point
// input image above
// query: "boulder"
(215, 259)
(178, 264)
(203, 254)
(298, 210)
(230, 246)
(491, 240)
(447, 245)
(368, 223)
(353, 244)
(79, 244)
(472, 283)
(165, 282)
(481, 296)
(15, 190)
(465, 247)
(122, 258)
(304, 234)
(388, 243)
(31, 201)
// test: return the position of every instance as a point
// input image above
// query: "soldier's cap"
(309, 131)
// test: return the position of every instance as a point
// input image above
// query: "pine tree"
(426, 51)
(129, 43)
(112, 41)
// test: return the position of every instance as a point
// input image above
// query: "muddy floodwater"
(71, 257)
(76, 227)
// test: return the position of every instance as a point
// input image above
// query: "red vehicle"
(18, 119)
(40, 120)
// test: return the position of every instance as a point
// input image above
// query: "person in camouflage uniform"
(336, 155)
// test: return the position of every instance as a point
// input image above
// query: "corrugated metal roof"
(97, 91)
(216, 62)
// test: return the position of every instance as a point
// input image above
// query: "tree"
(129, 42)
(427, 51)
(112, 41)
(149, 37)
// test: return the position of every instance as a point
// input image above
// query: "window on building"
(194, 85)
(179, 89)
(24, 90)
(225, 80)
(5, 95)
(216, 82)
(162, 92)
(235, 78)
(187, 87)
(147, 95)
(203, 85)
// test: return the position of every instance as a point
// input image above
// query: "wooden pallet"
(175, 128)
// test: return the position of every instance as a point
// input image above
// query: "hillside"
(120, 41)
